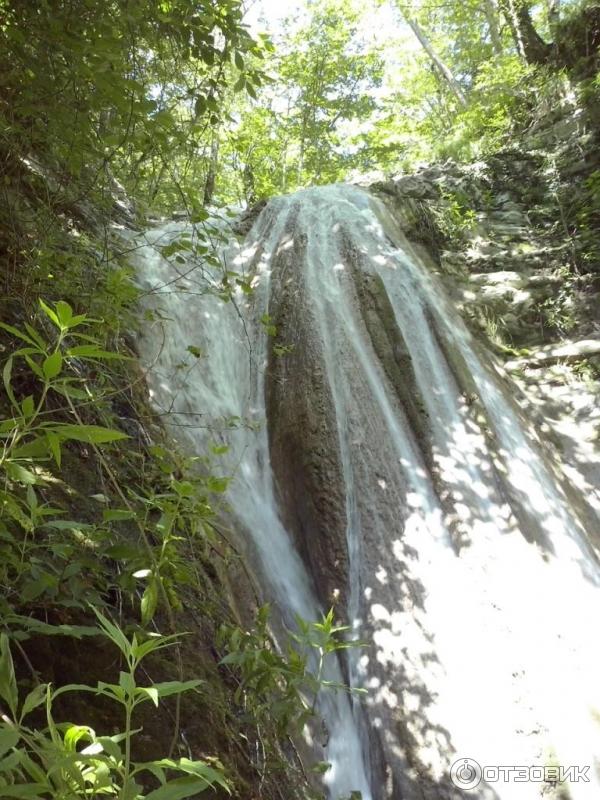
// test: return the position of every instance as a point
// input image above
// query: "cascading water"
(385, 449)
(231, 387)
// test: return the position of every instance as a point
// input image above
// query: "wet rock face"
(246, 220)
(305, 425)
(302, 431)
(316, 491)
(524, 272)
(391, 349)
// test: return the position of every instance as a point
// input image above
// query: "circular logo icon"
(465, 773)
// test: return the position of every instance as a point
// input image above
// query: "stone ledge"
(550, 354)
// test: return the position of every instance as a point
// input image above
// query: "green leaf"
(113, 691)
(75, 733)
(33, 589)
(25, 791)
(52, 365)
(187, 786)
(32, 450)
(34, 366)
(75, 687)
(183, 488)
(215, 484)
(89, 433)
(34, 699)
(147, 693)
(154, 642)
(7, 426)
(93, 351)
(18, 473)
(9, 504)
(110, 745)
(32, 501)
(127, 683)
(66, 388)
(239, 60)
(38, 626)
(122, 552)
(200, 105)
(36, 337)
(114, 633)
(9, 736)
(168, 688)
(77, 320)
(28, 406)
(19, 334)
(35, 772)
(201, 770)
(6, 378)
(54, 447)
(117, 514)
(11, 761)
(64, 313)
(67, 525)
(149, 601)
(8, 683)
(199, 214)
(52, 315)
(244, 286)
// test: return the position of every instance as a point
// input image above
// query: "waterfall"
(200, 407)
(379, 460)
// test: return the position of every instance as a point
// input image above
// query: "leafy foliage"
(322, 82)
(91, 89)
(281, 688)
(451, 80)
(69, 761)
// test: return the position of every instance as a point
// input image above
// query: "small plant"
(455, 217)
(558, 311)
(45, 558)
(282, 349)
(175, 518)
(494, 327)
(50, 368)
(282, 688)
(27, 435)
(66, 761)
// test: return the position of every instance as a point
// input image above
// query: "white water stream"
(468, 570)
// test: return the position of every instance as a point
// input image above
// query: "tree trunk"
(441, 67)
(530, 45)
(490, 10)
(300, 165)
(537, 51)
(508, 10)
(553, 11)
(284, 153)
(211, 175)
(248, 181)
